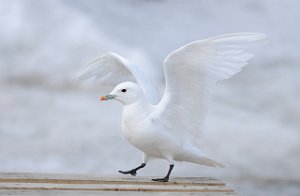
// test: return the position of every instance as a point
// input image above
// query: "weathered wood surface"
(76, 184)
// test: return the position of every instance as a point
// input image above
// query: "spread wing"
(110, 69)
(191, 73)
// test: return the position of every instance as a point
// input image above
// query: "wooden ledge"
(77, 184)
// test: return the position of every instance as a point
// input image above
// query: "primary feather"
(191, 73)
(111, 69)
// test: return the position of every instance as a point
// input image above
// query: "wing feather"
(191, 73)
(111, 69)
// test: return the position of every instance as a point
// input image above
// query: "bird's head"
(126, 92)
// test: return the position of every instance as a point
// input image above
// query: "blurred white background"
(50, 122)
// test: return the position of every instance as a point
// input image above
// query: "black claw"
(161, 179)
(131, 172)
(166, 178)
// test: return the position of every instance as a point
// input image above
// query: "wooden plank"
(25, 183)
(99, 193)
(114, 187)
(92, 179)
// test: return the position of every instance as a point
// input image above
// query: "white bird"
(169, 128)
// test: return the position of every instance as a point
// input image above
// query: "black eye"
(123, 90)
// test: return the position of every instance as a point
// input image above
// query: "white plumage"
(169, 127)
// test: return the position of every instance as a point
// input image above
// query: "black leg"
(166, 178)
(133, 171)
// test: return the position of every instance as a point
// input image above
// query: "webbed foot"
(165, 179)
(133, 171)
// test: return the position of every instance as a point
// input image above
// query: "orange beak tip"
(102, 98)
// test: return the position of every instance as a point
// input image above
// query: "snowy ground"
(49, 122)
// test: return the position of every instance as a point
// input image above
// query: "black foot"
(165, 179)
(131, 172)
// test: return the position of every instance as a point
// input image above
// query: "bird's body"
(169, 127)
(146, 132)
(144, 128)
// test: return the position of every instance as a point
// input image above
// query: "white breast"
(147, 133)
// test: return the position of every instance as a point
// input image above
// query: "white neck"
(137, 110)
